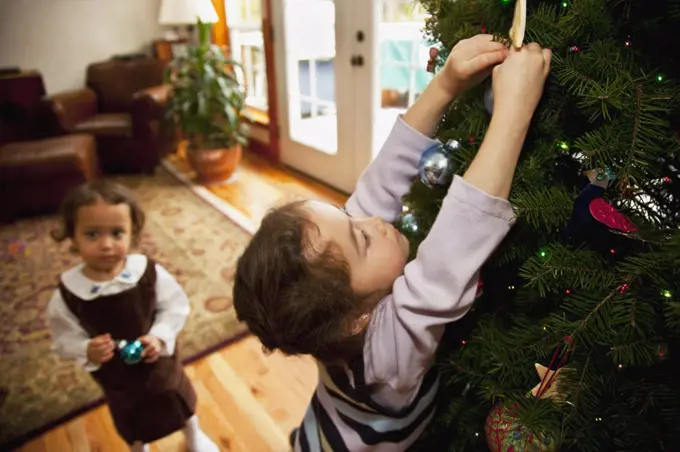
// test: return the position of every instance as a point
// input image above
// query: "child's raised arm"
(381, 187)
(439, 286)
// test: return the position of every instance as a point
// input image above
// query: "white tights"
(196, 440)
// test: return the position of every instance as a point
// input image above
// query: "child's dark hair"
(293, 298)
(88, 194)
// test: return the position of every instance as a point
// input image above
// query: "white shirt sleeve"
(69, 339)
(172, 310)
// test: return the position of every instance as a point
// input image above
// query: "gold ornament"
(519, 23)
(549, 384)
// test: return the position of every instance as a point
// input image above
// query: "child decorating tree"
(112, 296)
(334, 283)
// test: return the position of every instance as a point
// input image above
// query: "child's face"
(103, 234)
(375, 251)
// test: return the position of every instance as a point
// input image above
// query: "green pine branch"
(565, 268)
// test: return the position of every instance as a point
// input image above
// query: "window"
(244, 19)
(403, 53)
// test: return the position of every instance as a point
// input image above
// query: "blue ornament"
(435, 166)
(130, 352)
(488, 100)
(409, 223)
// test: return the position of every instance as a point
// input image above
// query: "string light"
(661, 353)
(563, 145)
(628, 43)
(404, 208)
(574, 49)
(542, 253)
(667, 293)
(620, 366)
(567, 291)
(463, 342)
(623, 288)
(659, 78)
(612, 251)
(511, 287)
(598, 419)
(472, 139)
(564, 4)
(667, 179)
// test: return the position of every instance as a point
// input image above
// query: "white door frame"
(342, 169)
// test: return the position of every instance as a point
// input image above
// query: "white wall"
(61, 37)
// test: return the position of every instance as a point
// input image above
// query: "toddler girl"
(334, 283)
(113, 295)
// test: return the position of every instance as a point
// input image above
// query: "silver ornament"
(409, 223)
(435, 166)
(488, 100)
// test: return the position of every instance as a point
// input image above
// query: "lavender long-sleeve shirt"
(437, 287)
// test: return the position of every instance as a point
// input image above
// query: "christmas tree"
(574, 342)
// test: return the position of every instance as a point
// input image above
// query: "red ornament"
(472, 139)
(667, 179)
(603, 212)
(567, 291)
(623, 288)
(574, 48)
(483, 29)
(504, 433)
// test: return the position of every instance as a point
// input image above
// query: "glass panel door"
(400, 73)
(314, 76)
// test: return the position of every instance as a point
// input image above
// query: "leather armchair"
(122, 107)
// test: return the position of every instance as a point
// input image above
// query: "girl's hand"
(518, 82)
(152, 348)
(469, 63)
(100, 349)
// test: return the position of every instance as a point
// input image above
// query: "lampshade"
(180, 12)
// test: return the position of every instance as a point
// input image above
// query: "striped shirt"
(384, 400)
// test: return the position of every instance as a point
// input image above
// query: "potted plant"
(204, 108)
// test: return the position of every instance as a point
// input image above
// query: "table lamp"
(178, 13)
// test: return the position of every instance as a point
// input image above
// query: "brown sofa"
(122, 107)
(36, 172)
(36, 175)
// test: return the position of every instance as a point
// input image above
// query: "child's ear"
(73, 246)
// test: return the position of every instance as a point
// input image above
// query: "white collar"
(86, 289)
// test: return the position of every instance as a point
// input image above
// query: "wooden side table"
(166, 50)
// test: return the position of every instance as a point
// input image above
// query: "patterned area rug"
(193, 240)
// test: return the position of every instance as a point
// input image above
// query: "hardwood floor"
(247, 401)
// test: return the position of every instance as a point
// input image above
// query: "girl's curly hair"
(293, 298)
(88, 194)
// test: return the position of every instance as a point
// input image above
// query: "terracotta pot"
(214, 165)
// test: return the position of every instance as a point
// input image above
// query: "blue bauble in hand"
(435, 167)
(131, 352)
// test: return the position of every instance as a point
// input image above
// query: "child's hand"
(470, 62)
(100, 349)
(152, 348)
(518, 82)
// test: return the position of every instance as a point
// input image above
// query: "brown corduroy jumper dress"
(147, 401)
